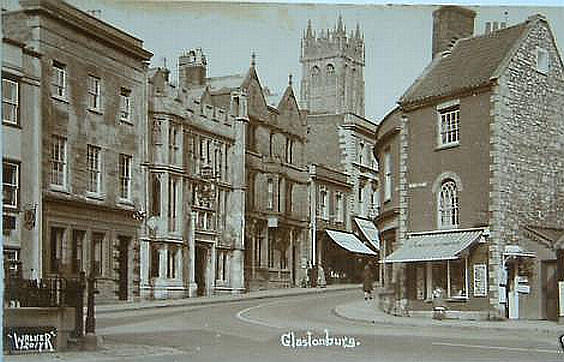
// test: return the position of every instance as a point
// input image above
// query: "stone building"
(21, 142)
(193, 243)
(339, 139)
(333, 70)
(93, 108)
(478, 145)
(276, 178)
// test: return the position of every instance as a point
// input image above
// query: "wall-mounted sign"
(30, 339)
(480, 280)
(272, 222)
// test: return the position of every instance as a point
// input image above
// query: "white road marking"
(241, 317)
(516, 349)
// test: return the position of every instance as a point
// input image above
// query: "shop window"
(457, 273)
(439, 275)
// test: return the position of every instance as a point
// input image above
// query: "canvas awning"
(369, 231)
(434, 246)
(513, 250)
(349, 242)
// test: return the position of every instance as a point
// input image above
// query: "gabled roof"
(472, 62)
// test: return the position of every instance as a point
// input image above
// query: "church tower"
(333, 70)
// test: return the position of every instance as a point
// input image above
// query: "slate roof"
(473, 62)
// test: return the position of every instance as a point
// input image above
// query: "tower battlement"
(328, 42)
(332, 70)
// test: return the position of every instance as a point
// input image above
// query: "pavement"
(368, 312)
(217, 299)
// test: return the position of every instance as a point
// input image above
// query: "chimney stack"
(192, 68)
(451, 23)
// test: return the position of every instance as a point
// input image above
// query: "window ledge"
(11, 124)
(11, 209)
(126, 121)
(126, 202)
(95, 196)
(447, 146)
(95, 110)
(60, 99)
(58, 188)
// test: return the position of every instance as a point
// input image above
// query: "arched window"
(448, 205)
(330, 68)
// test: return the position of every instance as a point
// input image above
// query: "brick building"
(479, 139)
(21, 137)
(193, 240)
(339, 143)
(92, 100)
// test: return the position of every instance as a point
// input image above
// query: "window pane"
(439, 276)
(457, 278)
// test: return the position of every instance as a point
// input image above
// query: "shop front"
(451, 265)
(344, 257)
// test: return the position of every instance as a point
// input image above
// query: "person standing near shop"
(367, 282)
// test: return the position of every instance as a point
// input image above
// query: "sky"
(397, 37)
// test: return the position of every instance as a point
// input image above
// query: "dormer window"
(542, 60)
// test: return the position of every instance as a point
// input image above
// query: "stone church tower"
(333, 70)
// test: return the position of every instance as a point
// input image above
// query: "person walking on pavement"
(367, 282)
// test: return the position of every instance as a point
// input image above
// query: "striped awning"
(369, 231)
(349, 242)
(434, 246)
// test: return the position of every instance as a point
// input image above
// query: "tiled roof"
(550, 234)
(472, 62)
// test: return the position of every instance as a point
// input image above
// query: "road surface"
(294, 328)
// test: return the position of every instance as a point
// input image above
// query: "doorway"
(200, 269)
(123, 261)
(550, 290)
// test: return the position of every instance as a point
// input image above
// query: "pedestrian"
(367, 282)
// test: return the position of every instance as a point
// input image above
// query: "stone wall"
(527, 171)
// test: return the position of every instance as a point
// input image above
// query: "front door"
(201, 269)
(550, 290)
(123, 267)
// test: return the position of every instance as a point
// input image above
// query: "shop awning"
(369, 231)
(349, 242)
(434, 246)
(517, 251)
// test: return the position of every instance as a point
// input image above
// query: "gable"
(472, 63)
